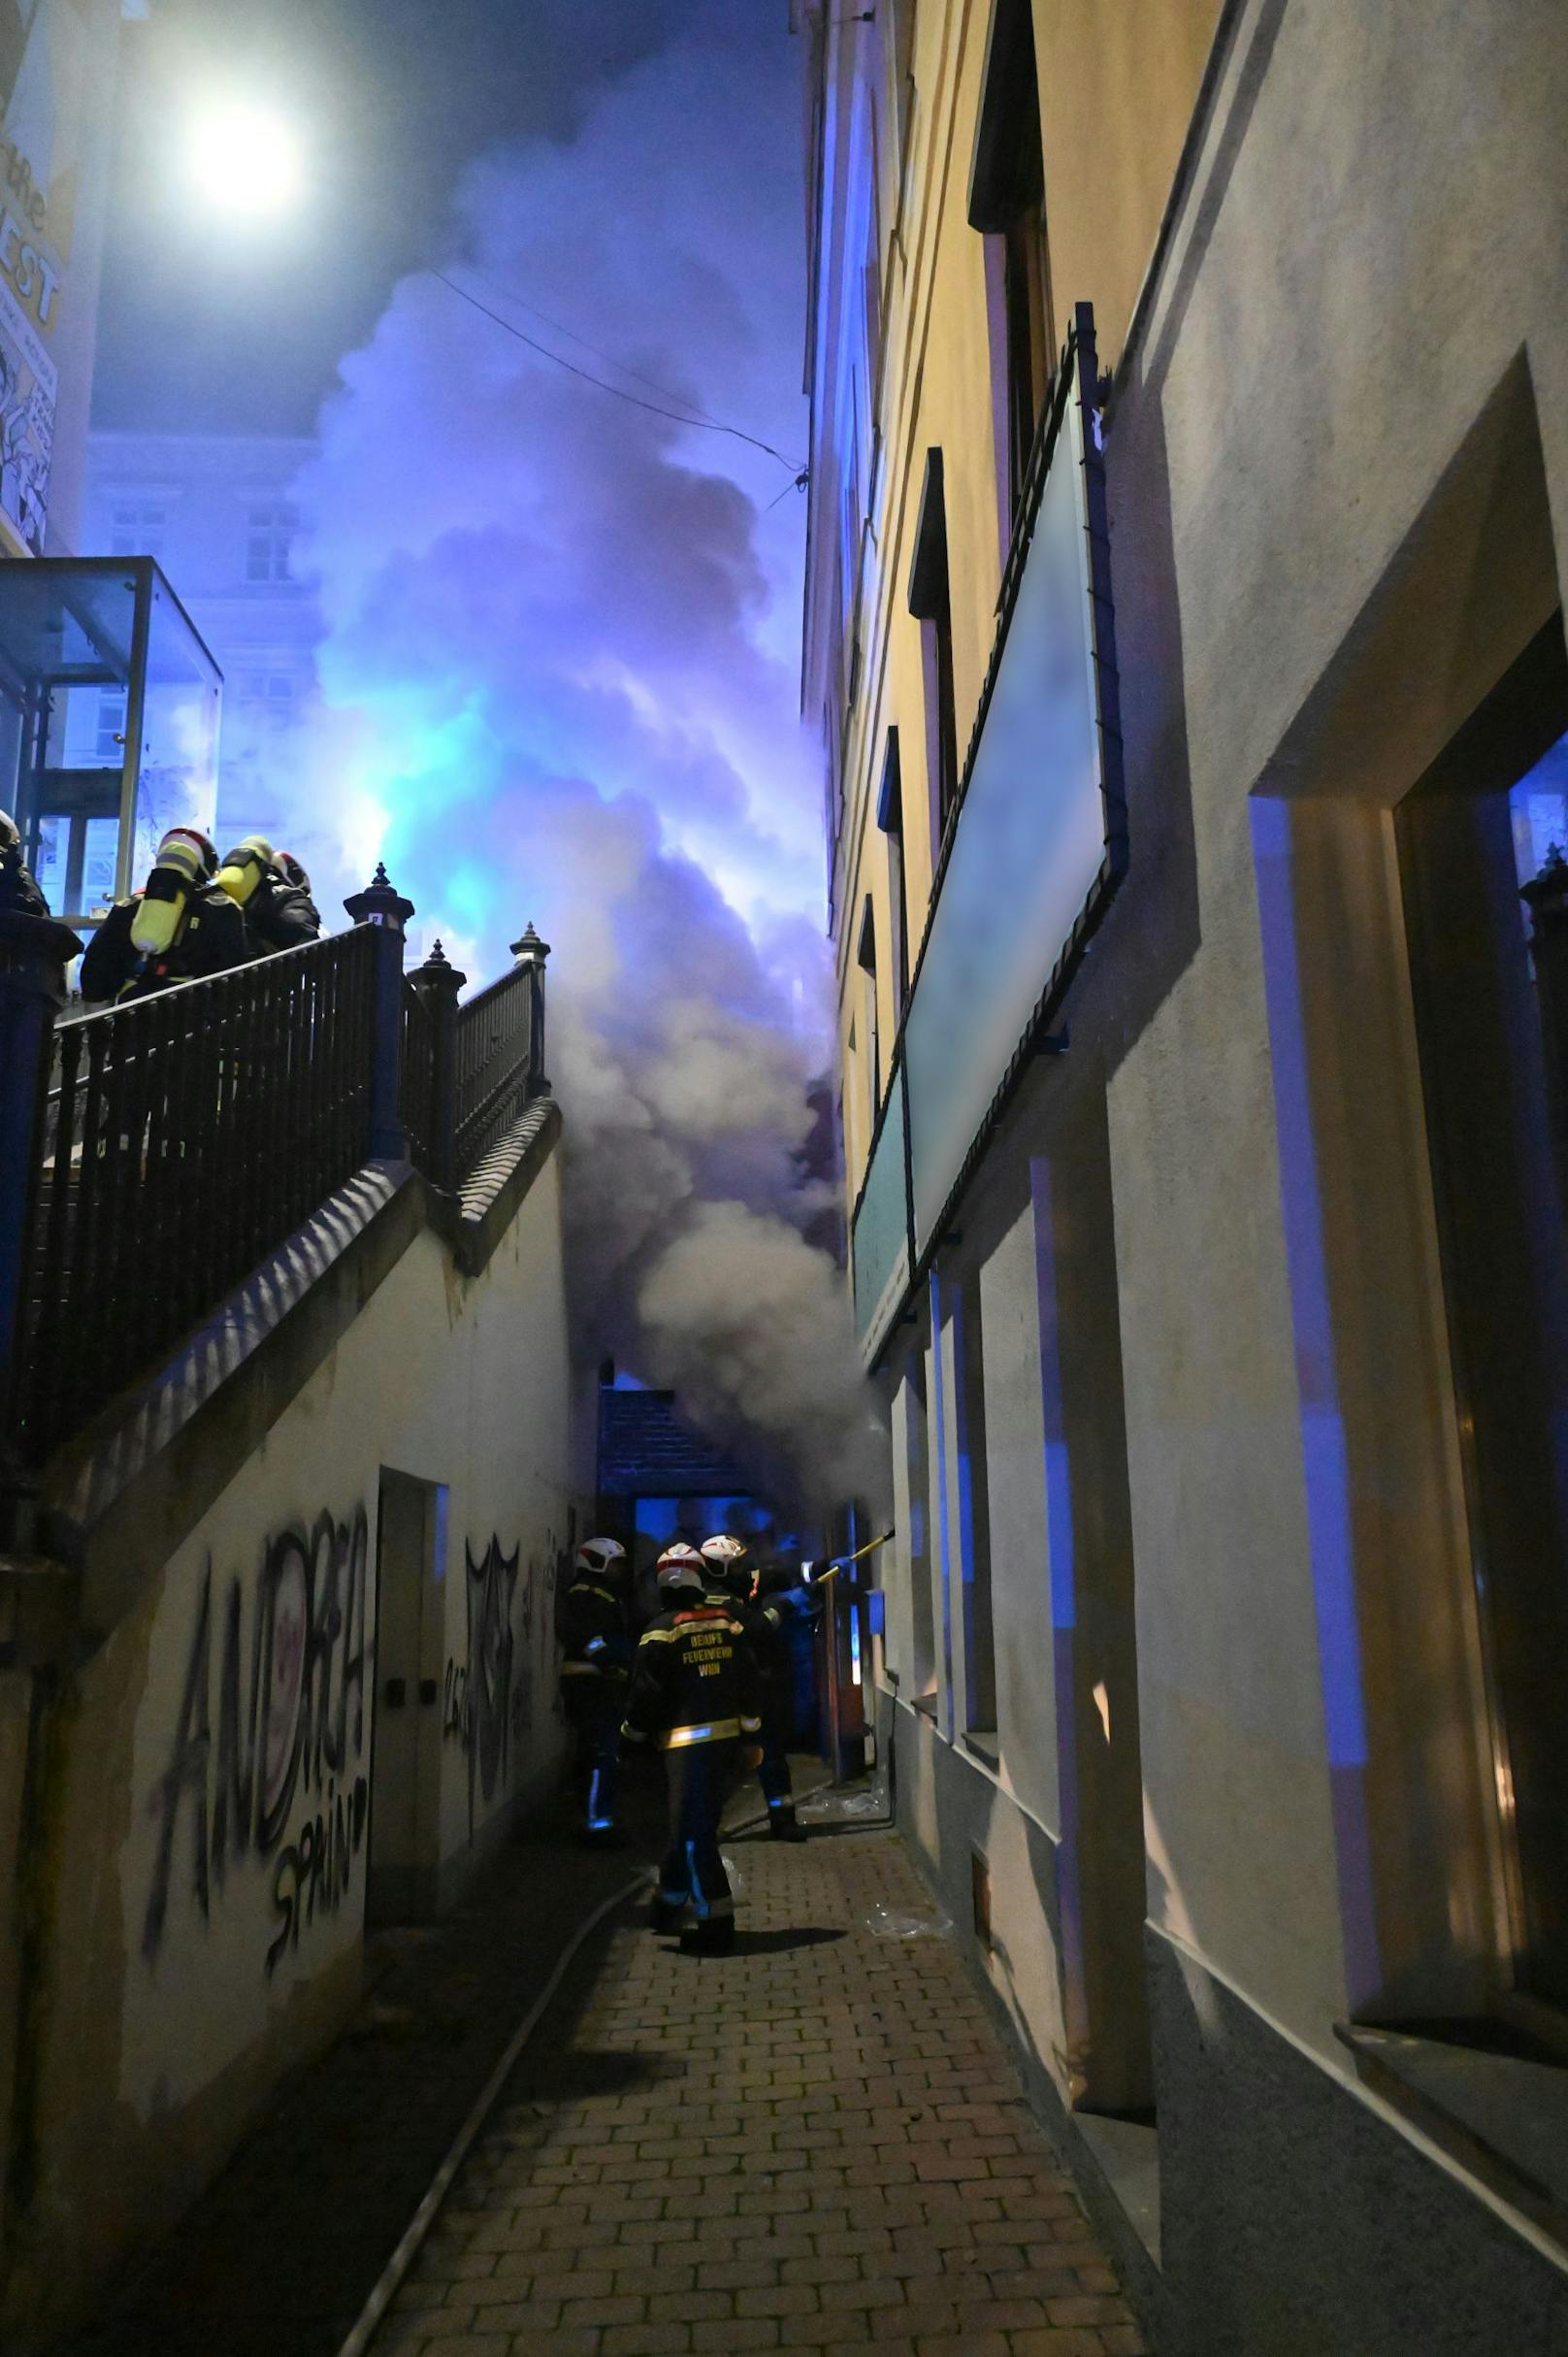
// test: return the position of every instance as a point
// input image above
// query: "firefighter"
(177, 928)
(275, 891)
(729, 1576)
(597, 1647)
(695, 1693)
(791, 1612)
(18, 890)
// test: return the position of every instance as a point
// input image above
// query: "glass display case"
(109, 706)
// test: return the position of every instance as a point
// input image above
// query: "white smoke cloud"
(560, 685)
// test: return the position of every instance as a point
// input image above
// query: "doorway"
(403, 1881)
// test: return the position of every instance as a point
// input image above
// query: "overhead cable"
(703, 425)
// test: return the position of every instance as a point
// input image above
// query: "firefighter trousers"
(697, 1779)
(774, 1775)
(594, 1706)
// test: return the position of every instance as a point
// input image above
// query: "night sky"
(207, 326)
(560, 653)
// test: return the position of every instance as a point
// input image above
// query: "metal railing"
(186, 1135)
(494, 1066)
(153, 1155)
(418, 1078)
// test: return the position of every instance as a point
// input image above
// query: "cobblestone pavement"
(278, 2256)
(814, 2144)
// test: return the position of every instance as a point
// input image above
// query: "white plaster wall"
(1385, 195)
(455, 1381)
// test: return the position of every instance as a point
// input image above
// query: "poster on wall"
(45, 53)
(29, 383)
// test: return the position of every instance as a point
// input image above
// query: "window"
(932, 605)
(1481, 839)
(897, 18)
(917, 1474)
(889, 818)
(1007, 205)
(266, 703)
(270, 528)
(865, 955)
(973, 1505)
(109, 738)
(137, 531)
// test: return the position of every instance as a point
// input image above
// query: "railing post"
(381, 905)
(438, 982)
(34, 952)
(532, 952)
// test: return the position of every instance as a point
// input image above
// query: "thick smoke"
(559, 681)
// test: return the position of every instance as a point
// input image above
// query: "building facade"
(218, 514)
(58, 62)
(1189, 486)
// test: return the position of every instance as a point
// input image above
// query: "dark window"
(1489, 977)
(973, 1503)
(1007, 205)
(866, 953)
(932, 605)
(889, 818)
(917, 1446)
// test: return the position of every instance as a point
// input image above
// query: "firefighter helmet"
(726, 1560)
(600, 1559)
(679, 1566)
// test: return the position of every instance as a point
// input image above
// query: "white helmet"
(726, 1560)
(599, 1559)
(679, 1566)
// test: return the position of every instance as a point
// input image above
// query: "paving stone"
(851, 2167)
(815, 2146)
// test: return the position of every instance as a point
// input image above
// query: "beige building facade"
(1215, 1294)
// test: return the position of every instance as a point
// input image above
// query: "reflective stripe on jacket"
(694, 1678)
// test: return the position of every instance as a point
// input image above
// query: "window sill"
(985, 1744)
(1493, 2099)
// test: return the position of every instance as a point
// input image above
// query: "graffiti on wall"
(488, 1698)
(285, 1778)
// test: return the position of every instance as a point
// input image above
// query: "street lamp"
(245, 157)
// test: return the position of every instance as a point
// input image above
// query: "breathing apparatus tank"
(185, 863)
(244, 866)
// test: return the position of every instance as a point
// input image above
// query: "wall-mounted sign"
(1037, 844)
(880, 1263)
(46, 58)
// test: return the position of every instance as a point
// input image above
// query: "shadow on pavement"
(766, 1943)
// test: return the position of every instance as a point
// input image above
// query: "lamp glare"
(244, 158)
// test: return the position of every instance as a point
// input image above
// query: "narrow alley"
(815, 2144)
(783, 1178)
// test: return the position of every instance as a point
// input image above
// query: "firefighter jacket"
(212, 937)
(592, 1628)
(17, 888)
(696, 1678)
(281, 915)
(790, 1609)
